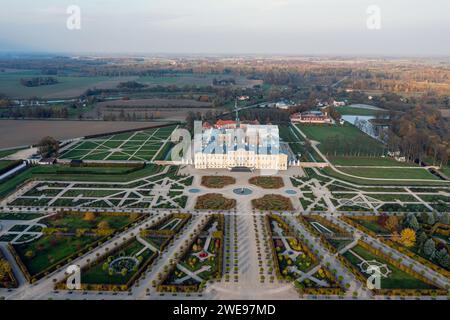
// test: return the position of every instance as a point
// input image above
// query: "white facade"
(255, 147)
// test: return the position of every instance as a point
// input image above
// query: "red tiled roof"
(221, 123)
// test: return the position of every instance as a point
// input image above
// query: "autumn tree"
(103, 225)
(89, 216)
(48, 147)
(5, 268)
(408, 237)
(391, 223)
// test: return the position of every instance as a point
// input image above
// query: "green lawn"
(133, 146)
(77, 221)
(19, 216)
(372, 225)
(390, 173)
(5, 164)
(330, 172)
(368, 161)
(446, 170)
(396, 280)
(97, 274)
(5, 153)
(355, 111)
(54, 248)
(49, 250)
(342, 140)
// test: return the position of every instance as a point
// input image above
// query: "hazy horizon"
(246, 27)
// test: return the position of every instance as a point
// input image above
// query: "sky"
(308, 27)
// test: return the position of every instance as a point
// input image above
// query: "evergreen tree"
(411, 222)
(429, 248)
(421, 238)
(443, 258)
(431, 220)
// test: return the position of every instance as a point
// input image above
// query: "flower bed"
(214, 201)
(268, 182)
(273, 202)
(217, 182)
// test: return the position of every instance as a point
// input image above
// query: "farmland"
(67, 87)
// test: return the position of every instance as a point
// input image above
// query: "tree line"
(420, 134)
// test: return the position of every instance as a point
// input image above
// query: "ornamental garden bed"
(268, 182)
(217, 182)
(332, 236)
(288, 251)
(273, 202)
(293, 259)
(422, 237)
(118, 270)
(68, 235)
(201, 262)
(214, 201)
(396, 278)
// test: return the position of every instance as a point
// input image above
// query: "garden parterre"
(130, 146)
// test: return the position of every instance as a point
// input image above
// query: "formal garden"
(67, 236)
(293, 258)
(159, 190)
(217, 182)
(332, 236)
(214, 201)
(395, 277)
(272, 202)
(141, 145)
(200, 262)
(267, 182)
(424, 237)
(119, 269)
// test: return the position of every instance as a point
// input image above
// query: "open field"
(71, 86)
(28, 132)
(330, 172)
(359, 110)
(151, 103)
(129, 146)
(342, 140)
(369, 161)
(68, 87)
(194, 79)
(394, 173)
(159, 114)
